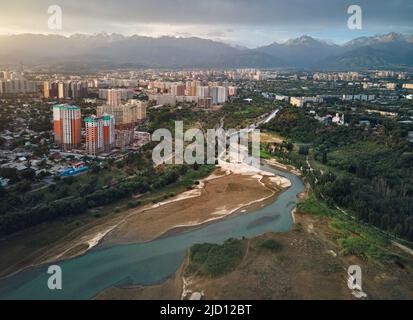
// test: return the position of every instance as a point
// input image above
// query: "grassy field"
(313, 206)
(353, 237)
(213, 260)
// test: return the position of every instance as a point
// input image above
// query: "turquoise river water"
(152, 262)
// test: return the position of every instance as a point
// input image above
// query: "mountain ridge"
(390, 49)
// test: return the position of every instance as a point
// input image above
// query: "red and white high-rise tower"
(100, 134)
(67, 124)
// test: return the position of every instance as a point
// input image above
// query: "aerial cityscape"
(194, 153)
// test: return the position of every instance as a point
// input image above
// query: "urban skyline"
(223, 150)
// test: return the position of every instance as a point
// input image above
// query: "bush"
(133, 204)
(315, 207)
(214, 260)
(271, 245)
(361, 248)
(23, 186)
(69, 180)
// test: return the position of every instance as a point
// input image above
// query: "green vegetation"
(353, 238)
(264, 154)
(77, 195)
(359, 247)
(293, 123)
(235, 114)
(133, 204)
(366, 170)
(308, 88)
(362, 241)
(271, 245)
(348, 228)
(312, 206)
(28, 203)
(25, 204)
(213, 260)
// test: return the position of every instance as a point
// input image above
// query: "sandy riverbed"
(216, 197)
(308, 266)
(228, 190)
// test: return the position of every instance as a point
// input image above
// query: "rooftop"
(66, 106)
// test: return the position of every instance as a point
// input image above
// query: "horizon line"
(328, 41)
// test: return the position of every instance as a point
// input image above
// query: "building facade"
(94, 135)
(100, 134)
(114, 97)
(67, 126)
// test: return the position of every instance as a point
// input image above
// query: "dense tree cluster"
(368, 171)
(20, 209)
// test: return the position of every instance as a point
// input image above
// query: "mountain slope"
(135, 50)
(390, 50)
(114, 50)
(301, 52)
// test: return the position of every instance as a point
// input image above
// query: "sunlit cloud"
(249, 23)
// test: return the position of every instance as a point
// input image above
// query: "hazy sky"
(245, 22)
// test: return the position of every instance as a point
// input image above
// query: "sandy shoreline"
(308, 256)
(216, 197)
(232, 180)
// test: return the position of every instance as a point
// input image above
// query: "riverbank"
(215, 197)
(307, 264)
(73, 236)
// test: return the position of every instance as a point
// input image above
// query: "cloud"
(212, 18)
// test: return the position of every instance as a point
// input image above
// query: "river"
(152, 262)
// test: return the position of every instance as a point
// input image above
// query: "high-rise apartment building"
(178, 89)
(141, 112)
(61, 90)
(6, 75)
(46, 90)
(125, 94)
(67, 126)
(191, 87)
(141, 107)
(94, 135)
(65, 89)
(16, 86)
(78, 89)
(222, 95)
(109, 137)
(232, 91)
(126, 114)
(218, 94)
(213, 92)
(100, 134)
(202, 92)
(114, 97)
